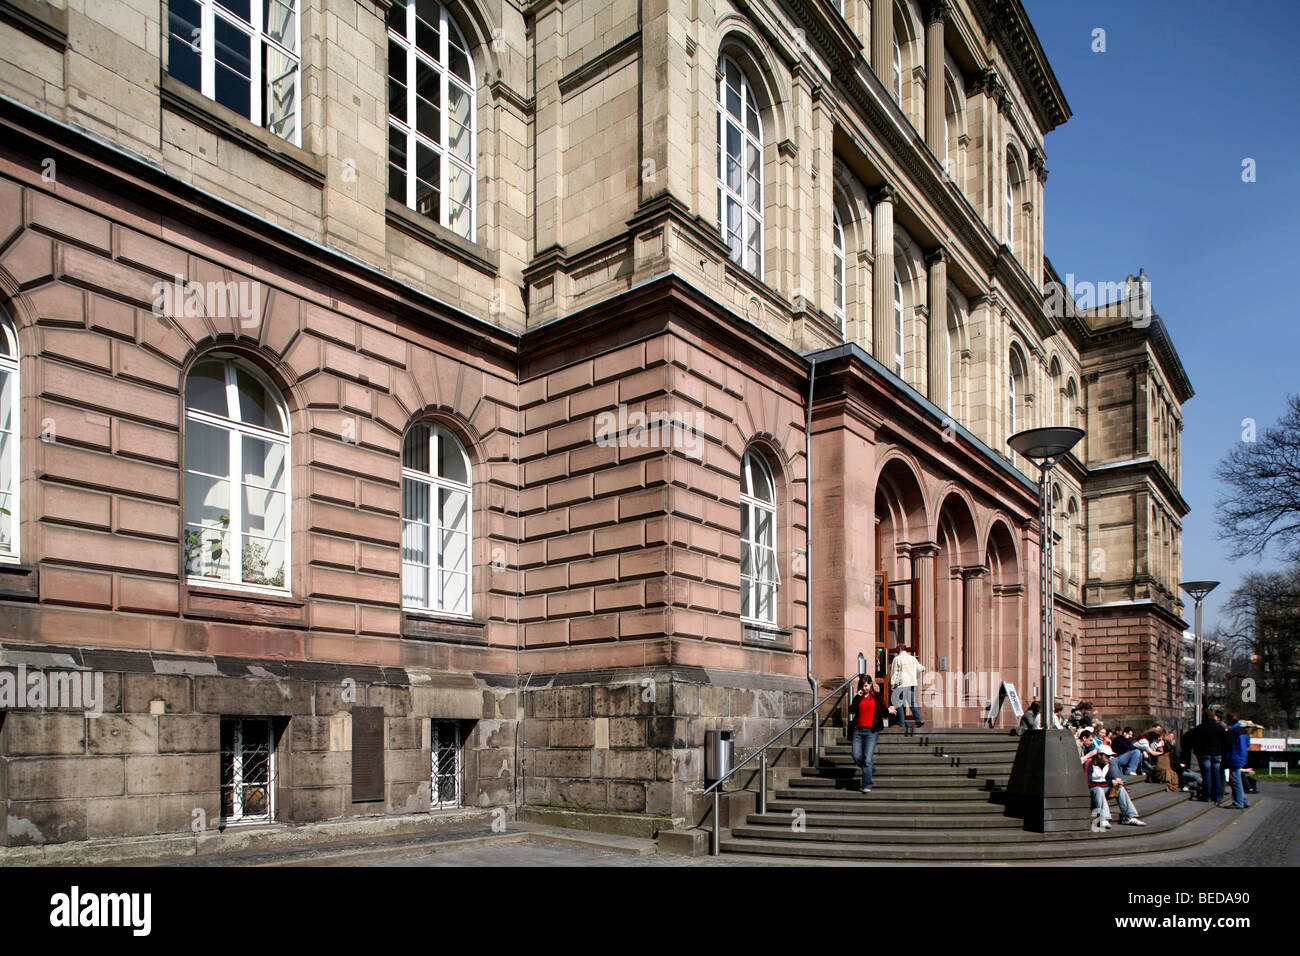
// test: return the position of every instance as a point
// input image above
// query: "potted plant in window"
(216, 548)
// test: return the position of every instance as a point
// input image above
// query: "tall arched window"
(436, 507)
(1060, 543)
(237, 464)
(952, 341)
(1015, 381)
(1054, 389)
(758, 575)
(9, 511)
(898, 69)
(1011, 205)
(1071, 400)
(898, 325)
(1071, 537)
(740, 168)
(431, 139)
(837, 266)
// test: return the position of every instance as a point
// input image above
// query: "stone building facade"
(419, 405)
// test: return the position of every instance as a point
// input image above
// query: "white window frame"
(212, 10)
(899, 327)
(407, 127)
(838, 268)
(236, 431)
(1011, 205)
(1012, 361)
(13, 438)
(458, 769)
(742, 252)
(238, 817)
(754, 582)
(434, 569)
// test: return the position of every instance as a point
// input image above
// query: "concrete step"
(887, 820)
(903, 794)
(868, 807)
(887, 781)
(1169, 834)
(934, 767)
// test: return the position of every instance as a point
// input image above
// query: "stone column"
(937, 381)
(882, 40)
(923, 556)
(973, 623)
(935, 115)
(884, 343)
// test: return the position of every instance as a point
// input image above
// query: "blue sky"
(1148, 173)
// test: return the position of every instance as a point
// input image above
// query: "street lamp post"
(1045, 447)
(1197, 590)
(1045, 787)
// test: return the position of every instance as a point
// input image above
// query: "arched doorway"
(900, 527)
(954, 625)
(1001, 651)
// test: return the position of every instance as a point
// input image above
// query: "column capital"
(925, 549)
(973, 572)
(938, 11)
(882, 193)
(936, 255)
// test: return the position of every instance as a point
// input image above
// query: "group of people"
(1220, 744)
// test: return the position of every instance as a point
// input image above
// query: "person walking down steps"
(904, 676)
(867, 718)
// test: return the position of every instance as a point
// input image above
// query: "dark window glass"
(183, 59)
(233, 53)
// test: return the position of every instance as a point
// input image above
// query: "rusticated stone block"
(252, 697)
(315, 769)
(173, 690)
(189, 733)
(31, 734)
(626, 700)
(69, 777)
(404, 733)
(172, 772)
(627, 797)
(573, 702)
(122, 734)
(121, 816)
(396, 701)
(627, 732)
(572, 733)
(309, 804)
(563, 763)
(45, 821)
(195, 811)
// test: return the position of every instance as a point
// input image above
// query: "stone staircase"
(936, 796)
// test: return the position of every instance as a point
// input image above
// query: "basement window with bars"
(247, 770)
(445, 741)
(431, 135)
(242, 53)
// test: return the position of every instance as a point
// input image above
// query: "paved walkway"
(1267, 835)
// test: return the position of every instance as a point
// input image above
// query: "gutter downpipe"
(808, 603)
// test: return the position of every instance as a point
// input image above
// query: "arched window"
(740, 168)
(952, 341)
(436, 506)
(1015, 381)
(1071, 400)
(431, 139)
(952, 128)
(1054, 394)
(898, 69)
(1011, 203)
(9, 511)
(237, 463)
(1060, 542)
(1071, 537)
(837, 266)
(758, 575)
(898, 325)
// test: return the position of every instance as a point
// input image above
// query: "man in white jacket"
(904, 676)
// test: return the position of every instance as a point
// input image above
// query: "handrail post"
(817, 741)
(714, 848)
(762, 785)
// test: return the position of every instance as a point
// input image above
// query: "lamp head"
(1198, 589)
(1045, 444)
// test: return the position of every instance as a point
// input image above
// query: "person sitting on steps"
(1102, 775)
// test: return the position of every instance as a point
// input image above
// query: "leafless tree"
(1265, 628)
(1261, 505)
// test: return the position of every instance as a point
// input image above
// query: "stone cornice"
(1007, 22)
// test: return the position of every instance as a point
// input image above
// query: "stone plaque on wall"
(367, 754)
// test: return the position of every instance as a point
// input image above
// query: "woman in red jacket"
(867, 718)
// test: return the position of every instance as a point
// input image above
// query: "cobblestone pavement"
(1275, 840)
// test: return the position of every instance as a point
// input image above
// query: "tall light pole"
(1045, 447)
(1045, 787)
(1197, 590)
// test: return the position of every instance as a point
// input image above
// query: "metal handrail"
(762, 793)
